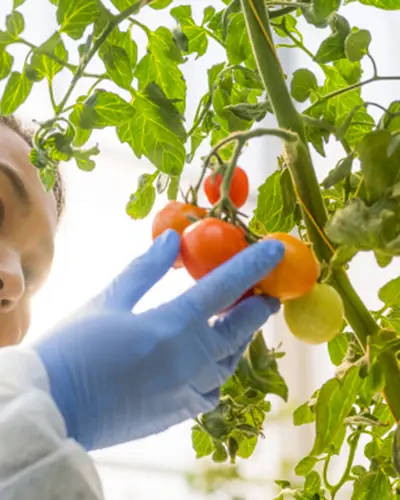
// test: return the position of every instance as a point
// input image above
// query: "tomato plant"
(316, 317)
(296, 274)
(140, 92)
(238, 191)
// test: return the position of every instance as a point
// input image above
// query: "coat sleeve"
(37, 460)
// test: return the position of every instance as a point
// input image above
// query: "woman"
(104, 376)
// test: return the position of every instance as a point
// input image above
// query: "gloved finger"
(237, 327)
(226, 284)
(141, 274)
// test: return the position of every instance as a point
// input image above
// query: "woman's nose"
(11, 283)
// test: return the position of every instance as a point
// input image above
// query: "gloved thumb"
(141, 274)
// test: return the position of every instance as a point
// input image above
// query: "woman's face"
(28, 220)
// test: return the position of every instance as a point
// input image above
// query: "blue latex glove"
(117, 376)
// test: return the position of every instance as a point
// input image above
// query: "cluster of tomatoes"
(313, 312)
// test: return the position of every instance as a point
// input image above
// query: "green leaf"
(337, 349)
(288, 193)
(16, 92)
(356, 45)
(305, 466)
(161, 66)
(15, 23)
(74, 16)
(335, 400)
(396, 449)
(104, 109)
(201, 442)
(268, 216)
(366, 228)
(392, 123)
(247, 445)
(319, 12)
(340, 172)
(208, 14)
(118, 65)
(173, 189)
(389, 294)
(215, 424)
(303, 83)
(258, 369)
(141, 202)
(6, 63)
(333, 47)
(372, 486)
(382, 4)
(83, 159)
(250, 112)
(313, 482)
(123, 4)
(380, 168)
(160, 4)
(247, 78)
(6, 39)
(196, 35)
(124, 40)
(220, 454)
(238, 47)
(17, 3)
(303, 415)
(45, 66)
(156, 131)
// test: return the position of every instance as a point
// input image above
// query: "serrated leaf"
(156, 131)
(118, 64)
(196, 35)
(334, 403)
(201, 442)
(303, 83)
(337, 349)
(268, 216)
(15, 23)
(380, 168)
(340, 172)
(141, 202)
(6, 63)
(16, 92)
(305, 466)
(74, 16)
(332, 48)
(104, 109)
(161, 66)
(356, 45)
(44, 65)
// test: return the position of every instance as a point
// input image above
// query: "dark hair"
(27, 135)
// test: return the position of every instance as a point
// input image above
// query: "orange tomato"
(295, 275)
(176, 215)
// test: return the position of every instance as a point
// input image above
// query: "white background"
(97, 239)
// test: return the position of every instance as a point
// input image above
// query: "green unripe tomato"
(316, 317)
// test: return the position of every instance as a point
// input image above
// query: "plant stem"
(51, 93)
(350, 459)
(354, 86)
(281, 12)
(214, 36)
(296, 42)
(97, 44)
(305, 180)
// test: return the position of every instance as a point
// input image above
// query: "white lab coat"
(37, 460)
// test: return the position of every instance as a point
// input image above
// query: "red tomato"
(238, 192)
(175, 216)
(295, 275)
(209, 243)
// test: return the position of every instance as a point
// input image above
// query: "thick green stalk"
(305, 181)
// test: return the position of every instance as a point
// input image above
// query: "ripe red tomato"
(296, 274)
(238, 192)
(175, 215)
(209, 243)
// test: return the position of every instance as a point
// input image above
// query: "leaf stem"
(298, 43)
(97, 44)
(353, 442)
(51, 94)
(213, 36)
